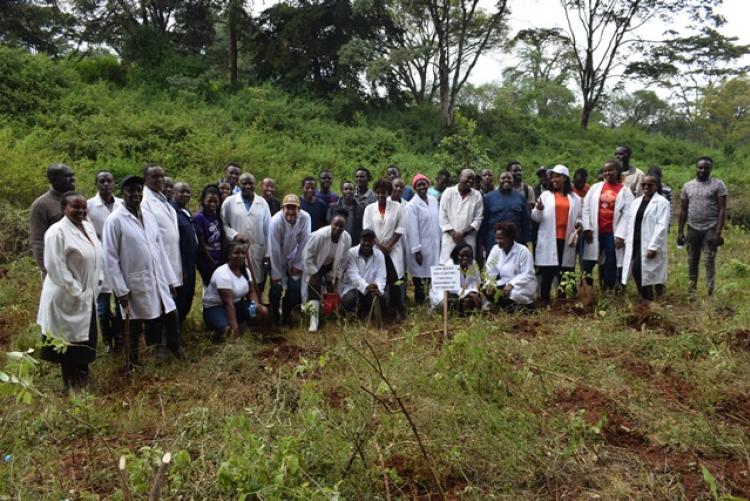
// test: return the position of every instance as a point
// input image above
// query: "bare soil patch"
(735, 409)
(739, 340)
(665, 381)
(643, 317)
(284, 354)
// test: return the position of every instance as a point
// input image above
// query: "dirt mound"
(284, 354)
(416, 481)
(664, 381)
(619, 429)
(739, 340)
(336, 397)
(735, 409)
(644, 318)
(526, 328)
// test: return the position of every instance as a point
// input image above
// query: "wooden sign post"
(445, 278)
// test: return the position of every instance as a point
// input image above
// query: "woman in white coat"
(558, 212)
(510, 269)
(67, 308)
(386, 218)
(605, 208)
(646, 251)
(423, 236)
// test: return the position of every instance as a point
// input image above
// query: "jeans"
(111, 323)
(608, 269)
(697, 242)
(217, 319)
(292, 298)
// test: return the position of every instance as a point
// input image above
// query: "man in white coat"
(365, 277)
(423, 236)
(646, 250)
(461, 210)
(247, 217)
(157, 204)
(325, 259)
(139, 273)
(287, 234)
(99, 209)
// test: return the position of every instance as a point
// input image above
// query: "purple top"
(212, 230)
(327, 198)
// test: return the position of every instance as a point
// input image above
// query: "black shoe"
(177, 353)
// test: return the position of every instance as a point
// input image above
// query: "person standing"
(393, 173)
(460, 214)
(325, 194)
(246, 217)
(558, 212)
(99, 208)
(580, 185)
(423, 236)
(363, 195)
(138, 271)
(325, 258)
(188, 248)
(269, 187)
(73, 260)
(703, 204)
(516, 169)
(386, 218)
(157, 204)
(486, 182)
(646, 251)
(355, 212)
(317, 210)
(232, 175)
(45, 210)
(287, 234)
(604, 220)
(225, 190)
(210, 233)
(442, 180)
(503, 204)
(633, 175)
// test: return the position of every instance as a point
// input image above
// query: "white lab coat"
(361, 272)
(136, 263)
(423, 234)
(654, 229)
(99, 212)
(74, 274)
(286, 243)
(316, 251)
(166, 218)
(546, 242)
(385, 227)
(590, 220)
(252, 224)
(458, 213)
(515, 268)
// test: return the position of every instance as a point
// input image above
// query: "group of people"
(136, 259)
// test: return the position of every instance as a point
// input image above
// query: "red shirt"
(607, 200)
(562, 207)
(582, 192)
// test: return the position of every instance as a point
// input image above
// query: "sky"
(548, 13)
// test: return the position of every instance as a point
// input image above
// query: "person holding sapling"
(646, 252)
(325, 258)
(230, 298)
(67, 307)
(604, 220)
(467, 297)
(558, 212)
(703, 208)
(423, 236)
(386, 218)
(365, 278)
(510, 270)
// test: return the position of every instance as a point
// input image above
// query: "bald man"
(460, 214)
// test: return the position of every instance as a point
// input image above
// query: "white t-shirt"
(223, 278)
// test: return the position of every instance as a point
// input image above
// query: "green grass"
(545, 405)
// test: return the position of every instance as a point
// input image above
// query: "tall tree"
(37, 25)
(464, 32)
(601, 32)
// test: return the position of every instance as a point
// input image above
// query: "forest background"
(292, 88)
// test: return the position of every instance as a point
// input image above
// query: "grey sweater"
(45, 211)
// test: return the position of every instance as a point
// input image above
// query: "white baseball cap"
(561, 169)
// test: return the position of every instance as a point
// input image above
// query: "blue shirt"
(408, 194)
(318, 212)
(327, 198)
(499, 207)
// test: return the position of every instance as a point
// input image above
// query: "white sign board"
(445, 277)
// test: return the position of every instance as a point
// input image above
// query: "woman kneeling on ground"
(467, 298)
(230, 297)
(510, 268)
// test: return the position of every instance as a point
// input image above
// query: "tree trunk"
(588, 108)
(233, 18)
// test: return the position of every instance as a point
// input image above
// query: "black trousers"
(160, 331)
(549, 273)
(646, 291)
(184, 297)
(354, 300)
(421, 289)
(395, 292)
